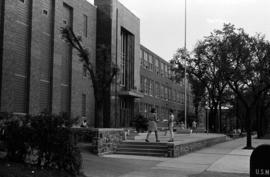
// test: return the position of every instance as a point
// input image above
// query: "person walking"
(170, 125)
(152, 125)
(194, 125)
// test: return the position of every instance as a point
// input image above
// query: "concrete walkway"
(226, 159)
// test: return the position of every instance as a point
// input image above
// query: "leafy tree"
(101, 75)
(231, 60)
(245, 68)
(203, 74)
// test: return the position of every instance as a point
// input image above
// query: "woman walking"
(170, 125)
(152, 125)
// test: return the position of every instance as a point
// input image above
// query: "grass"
(12, 169)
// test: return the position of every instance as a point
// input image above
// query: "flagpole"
(185, 79)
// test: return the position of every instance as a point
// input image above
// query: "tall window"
(166, 93)
(145, 86)
(161, 91)
(157, 65)
(151, 91)
(85, 25)
(127, 59)
(161, 69)
(145, 57)
(157, 89)
(150, 58)
(165, 70)
(147, 89)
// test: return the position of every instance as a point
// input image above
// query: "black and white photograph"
(134, 88)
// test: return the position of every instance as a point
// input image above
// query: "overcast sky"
(162, 21)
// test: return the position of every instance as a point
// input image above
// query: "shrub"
(140, 123)
(44, 140)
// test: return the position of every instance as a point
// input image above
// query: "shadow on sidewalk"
(217, 174)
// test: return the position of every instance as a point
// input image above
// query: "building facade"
(39, 71)
(119, 30)
(159, 89)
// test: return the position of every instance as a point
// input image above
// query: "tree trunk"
(216, 121)
(99, 114)
(220, 117)
(258, 120)
(248, 129)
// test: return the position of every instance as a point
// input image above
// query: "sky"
(162, 21)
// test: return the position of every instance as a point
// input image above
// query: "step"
(134, 149)
(142, 146)
(144, 143)
(143, 153)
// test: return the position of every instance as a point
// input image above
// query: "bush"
(140, 123)
(44, 140)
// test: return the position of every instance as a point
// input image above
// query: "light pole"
(185, 78)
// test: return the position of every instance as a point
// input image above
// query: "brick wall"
(43, 50)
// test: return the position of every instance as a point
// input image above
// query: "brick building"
(159, 90)
(40, 72)
(119, 30)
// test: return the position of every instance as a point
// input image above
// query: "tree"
(101, 75)
(231, 60)
(204, 76)
(246, 68)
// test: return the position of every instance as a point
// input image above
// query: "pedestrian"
(84, 124)
(152, 125)
(182, 125)
(194, 125)
(170, 126)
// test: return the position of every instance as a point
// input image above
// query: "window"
(157, 89)
(85, 25)
(166, 93)
(22, 1)
(127, 59)
(161, 69)
(151, 88)
(83, 105)
(157, 66)
(165, 70)
(161, 91)
(150, 59)
(145, 86)
(64, 22)
(145, 56)
(169, 72)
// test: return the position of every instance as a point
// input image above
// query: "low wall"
(181, 149)
(101, 140)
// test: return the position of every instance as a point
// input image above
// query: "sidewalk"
(222, 160)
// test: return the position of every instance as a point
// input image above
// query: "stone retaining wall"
(101, 140)
(181, 149)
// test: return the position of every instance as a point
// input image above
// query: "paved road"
(222, 160)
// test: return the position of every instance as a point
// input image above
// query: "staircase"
(143, 148)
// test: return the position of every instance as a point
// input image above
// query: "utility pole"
(185, 78)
